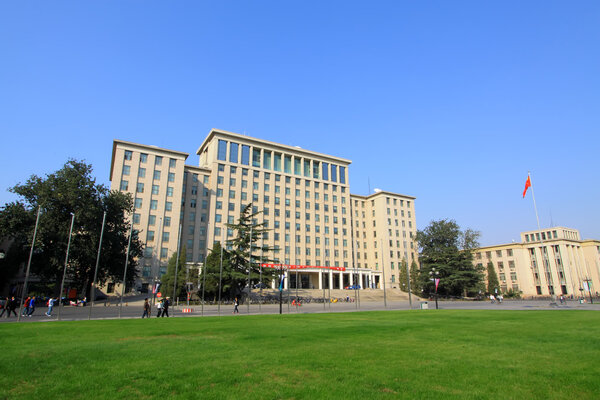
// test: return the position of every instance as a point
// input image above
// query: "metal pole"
(262, 245)
(323, 287)
(383, 272)
(296, 290)
(62, 283)
(220, 279)
(177, 265)
(280, 289)
(96, 270)
(37, 220)
(408, 280)
(203, 283)
(125, 270)
(249, 267)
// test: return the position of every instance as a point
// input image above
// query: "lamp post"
(434, 277)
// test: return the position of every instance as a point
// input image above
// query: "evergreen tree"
(403, 276)
(492, 278)
(446, 248)
(415, 284)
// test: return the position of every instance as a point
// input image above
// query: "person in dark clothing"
(236, 304)
(146, 309)
(166, 305)
(12, 306)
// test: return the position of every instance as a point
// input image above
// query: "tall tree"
(415, 283)
(245, 249)
(446, 248)
(71, 189)
(403, 276)
(168, 279)
(492, 278)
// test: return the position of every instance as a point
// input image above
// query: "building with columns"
(552, 261)
(338, 239)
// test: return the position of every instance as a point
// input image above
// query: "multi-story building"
(303, 198)
(553, 261)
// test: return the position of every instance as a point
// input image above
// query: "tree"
(415, 283)
(403, 276)
(446, 248)
(71, 189)
(492, 278)
(168, 279)
(209, 278)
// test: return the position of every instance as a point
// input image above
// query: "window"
(165, 237)
(287, 164)
(156, 175)
(267, 160)
(124, 185)
(168, 206)
(138, 202)
(325, 175)
(222, 150)
(233, 152)
(142, 172)
(256, 157)
(343, 175)
(151, 220)
(297, 166)
(136, 218)
(334, 173)
(167, 221)
(277, 162)
(128, 154)
(153, 204)
(150, 236)
(172, 163)
(158, 160)
(143, 157)
(245, 155)
(169, 191)
(171, 177)
(155, 189)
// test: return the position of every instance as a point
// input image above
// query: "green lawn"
(395, 354)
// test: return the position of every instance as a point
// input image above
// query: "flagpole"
(533, 197)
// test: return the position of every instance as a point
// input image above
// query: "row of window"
(541, 236)
(488, 254)
(144, 158)
(280, 162)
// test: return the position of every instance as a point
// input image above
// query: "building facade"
(303, 198)
(553, 261)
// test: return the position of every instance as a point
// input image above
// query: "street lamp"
(434, 277)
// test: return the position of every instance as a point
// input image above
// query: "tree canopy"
(71, 189)
(443, 246)
(242, 257)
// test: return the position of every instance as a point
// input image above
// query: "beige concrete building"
(546, 262)
(304, 198)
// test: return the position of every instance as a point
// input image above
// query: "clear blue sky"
(449, 101)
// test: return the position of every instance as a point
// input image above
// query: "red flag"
(527, 185)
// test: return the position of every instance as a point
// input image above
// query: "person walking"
(236, 304)
(50, 306)
(31, 306)
(12, 306)
(26, 306)
(166, 305)
(146, 309)
(159, 306)
(492, 299)
(3, 305)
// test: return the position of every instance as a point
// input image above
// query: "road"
(133, 309)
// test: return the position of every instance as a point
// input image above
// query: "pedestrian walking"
(12, 306)
(50, 306)
(31, 306)
(147, 310)
(500, 298)
(165, 308)
(492, 299)
(3, 306)
(26, 306)
(159, 307)
(236, 304)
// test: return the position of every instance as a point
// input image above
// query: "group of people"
(162, 306)
(9, 306)
(493, 298)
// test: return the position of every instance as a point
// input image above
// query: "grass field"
(396, 354)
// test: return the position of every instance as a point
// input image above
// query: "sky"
(452, 102)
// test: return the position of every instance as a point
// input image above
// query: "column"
(320, 280)
(330, 279)
(360, 279)
(341, 280)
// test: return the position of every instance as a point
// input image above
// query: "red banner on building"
(288, 266)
